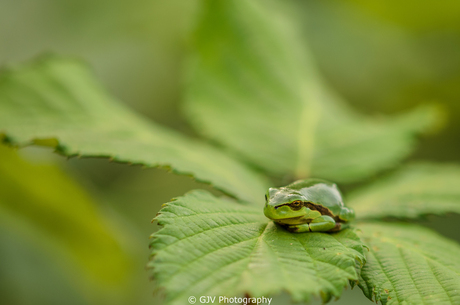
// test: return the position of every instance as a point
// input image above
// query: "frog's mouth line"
(286, 204)
(292, 220)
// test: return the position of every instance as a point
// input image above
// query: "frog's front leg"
(321, 224)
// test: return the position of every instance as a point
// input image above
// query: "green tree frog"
(311, 205)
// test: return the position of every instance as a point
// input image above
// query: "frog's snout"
(277, 212)
(270, 211)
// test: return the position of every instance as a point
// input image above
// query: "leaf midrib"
(308, 122)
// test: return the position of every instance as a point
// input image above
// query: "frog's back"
(320, 192)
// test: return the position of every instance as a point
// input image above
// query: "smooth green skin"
(327, 213)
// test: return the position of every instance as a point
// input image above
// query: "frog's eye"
(296, 205)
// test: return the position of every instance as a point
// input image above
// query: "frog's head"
(285, 206)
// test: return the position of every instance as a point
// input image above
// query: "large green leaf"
(253, 87)
(41, 205)
(58, 102)
(415, 190)
(211, 246)
(409, 264)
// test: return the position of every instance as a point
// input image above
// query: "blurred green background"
(382, 56)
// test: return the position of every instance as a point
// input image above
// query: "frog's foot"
(321, 224)
(347, 214)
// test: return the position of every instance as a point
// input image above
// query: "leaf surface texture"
(409, 264)
(211, 246)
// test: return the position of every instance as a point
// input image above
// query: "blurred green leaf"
(57, 102)
(211, 246)
(381, 65)
(253, 87)
(415, 190)
(408, 264)
(430, 15)
(31, 276)
(46, 208)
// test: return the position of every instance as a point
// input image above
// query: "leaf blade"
(57, 102)
(415, 190)
(252, 66)
(209, 246)
(409, 264)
